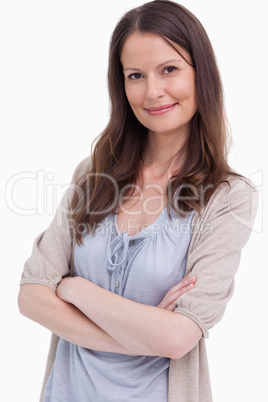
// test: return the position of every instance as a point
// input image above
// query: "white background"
(54, 102)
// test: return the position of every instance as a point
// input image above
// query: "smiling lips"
(157, 111)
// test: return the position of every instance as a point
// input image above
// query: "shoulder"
(236, 193)
(238, 185)
(81, 169)
(232, 207)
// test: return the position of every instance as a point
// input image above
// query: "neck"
(162, 153)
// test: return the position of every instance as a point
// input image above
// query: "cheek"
(183, 87)
(135, 96)
(183, 90)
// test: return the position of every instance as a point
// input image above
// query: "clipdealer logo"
(46, 193)
(45, 196)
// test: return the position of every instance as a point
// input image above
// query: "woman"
(156, 203)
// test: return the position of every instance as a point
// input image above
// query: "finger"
(184, 283)
(174, 296)
(170, 307)
(177, 290)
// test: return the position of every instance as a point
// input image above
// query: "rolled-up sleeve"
(214, 254)
(52, 250)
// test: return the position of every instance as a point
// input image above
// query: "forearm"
(145, 330)
(42, 305)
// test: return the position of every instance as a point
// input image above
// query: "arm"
(145, 330)
(225, 226)
(42, 305)
(219, 235)
(49, 263)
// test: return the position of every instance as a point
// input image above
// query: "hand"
(174, 293)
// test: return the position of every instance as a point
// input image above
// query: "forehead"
(141, 46)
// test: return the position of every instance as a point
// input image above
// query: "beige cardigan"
(219, 234)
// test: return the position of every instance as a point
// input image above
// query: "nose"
(155, 88)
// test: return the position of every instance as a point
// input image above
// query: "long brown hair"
(117, 154)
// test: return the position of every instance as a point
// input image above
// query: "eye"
(135, 76)
(170, 69)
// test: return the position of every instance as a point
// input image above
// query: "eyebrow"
(160, 65)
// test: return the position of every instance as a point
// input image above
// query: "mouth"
(156, 111)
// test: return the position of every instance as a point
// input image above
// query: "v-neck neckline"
(150, 229)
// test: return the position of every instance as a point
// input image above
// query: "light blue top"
(141, 268)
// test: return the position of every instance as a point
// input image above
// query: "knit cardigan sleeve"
(51, 257)
(219, 235)
(52, 254)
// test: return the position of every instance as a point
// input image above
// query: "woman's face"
(159, 84)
